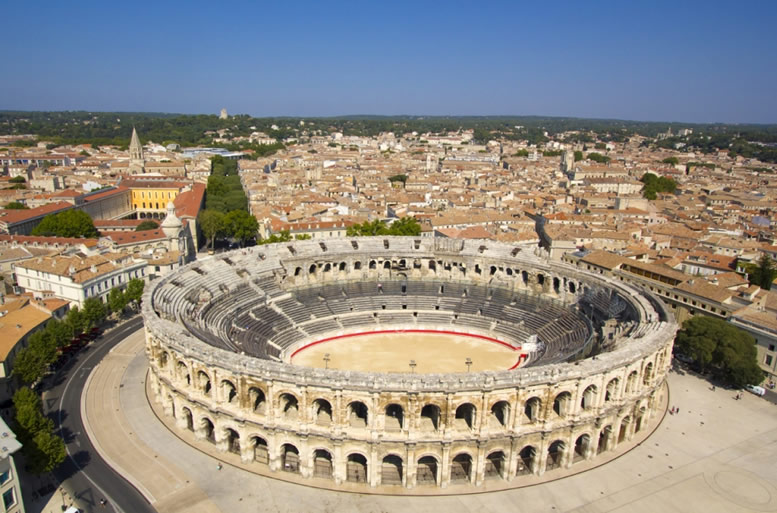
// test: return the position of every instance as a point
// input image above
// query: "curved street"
(88, 475)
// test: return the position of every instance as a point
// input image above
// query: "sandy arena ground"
(392, 352)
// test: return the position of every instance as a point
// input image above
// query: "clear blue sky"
(671, 61)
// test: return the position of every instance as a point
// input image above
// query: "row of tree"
(225, 192)
(43, 450)
(404, 226)
(70, 223)
(44, 346)
(237, 224)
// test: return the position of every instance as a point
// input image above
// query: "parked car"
(755, 389)
(683, 358)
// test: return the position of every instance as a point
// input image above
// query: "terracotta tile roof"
(604, 259)
(187, 204)
(706, 290)
(122, 238)
(100, 195)
(18, 216)
(31, 240)
(20, 320)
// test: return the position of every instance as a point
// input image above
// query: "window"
(768, 360)
(771, 347)
(9, 499)
(5, 476)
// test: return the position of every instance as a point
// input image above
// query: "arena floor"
(392, 352)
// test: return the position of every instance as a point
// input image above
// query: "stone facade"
(410, 430)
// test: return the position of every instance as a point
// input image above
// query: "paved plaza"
(716, 455)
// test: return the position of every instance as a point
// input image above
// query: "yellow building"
(150, 197)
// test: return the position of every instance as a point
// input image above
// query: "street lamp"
(412, 366)
(468, 362)
(326, 360)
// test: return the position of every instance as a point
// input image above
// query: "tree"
(655, 184)
(717, 345)
(76, 321)
(302, 236)
(598, 157)
(18, 179)
(241, 225)
(117, 300)
(398, 178)
(282, 236)
(147, 225)
(134, 290)
(405, 226)
(43, 450)
(28, 366)
(16, 205)
(212, 223)
(70, 223)
(578, 156)
(673, 161)
(94, 312)
(763, 274)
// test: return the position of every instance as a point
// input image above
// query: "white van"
(755, 389)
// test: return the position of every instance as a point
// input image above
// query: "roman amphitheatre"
(401, 363)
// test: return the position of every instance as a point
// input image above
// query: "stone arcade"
(220, 334)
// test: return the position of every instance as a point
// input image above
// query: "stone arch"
(556, 452)
(341, 267)
(289, 406)
(395, 417)
(496, 465)
(623, 432)
(188, 417)
(532, 409)
(207, 430)
(357, 266)
(261, 450)
(203, 380)
(631, 382)
(232, 440)
(257, 400)
(527, 460)
(605, 436)
(322, 464)
(641, 419)
(327, 267)
(387, 264)
(500, 413)
(358, 414)
(229, 393)
(582, 446)
(647, 374)
(465, 416)
(571, 286)
(322, 412)
(562, 404)
(525, 277)
(391, 470)
(432, 266)
(373, 264)
(312, 270)
(461, 468)
(356, 468)
(163, 360)
(290, 460)
(430, 418)
(556, 285)
(297, 271)
(611, 393)
(183, 372)
(426, 471)
(588, 400)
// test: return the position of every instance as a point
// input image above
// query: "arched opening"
(465, 416)
(261, 453)
(391, 470)
(289, 458)
(430, 418)
(624, 430)
(183, 372)
(322, 412)
(341, 267)
(500, 413)
(588, 400)
(233, 441)
(604, 440)
(631, 382)
(394, 417)
(163, 359)
(640, 420)
(322, 464)
(492, 270)
(525, 277)
(561, 404)
(647, 376)
(540, 279)
(357, 266)
(387, 264)
(289, 406)
(258, 400)
(572, 287)
(426, 471)
(582, 445)
(204, 382)
(495, 465)
(555, 455)
(526, 460)
(461, 468)
(612, 390)
(228, 391)
(532, 409)
(556, 285)
(357, 414)
(312, 269)
(187, 414)
(432, 266)
(373, 264)
(327, 267)
(297, 271)
(356, 468)
(207, 430)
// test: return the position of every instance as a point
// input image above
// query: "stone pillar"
(479, 470)
(444, 467)
(339, 462)
(305, 458)
(246, 450)
(372, 466)
(410, 474)
(512, 459)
